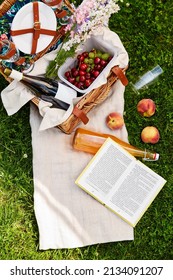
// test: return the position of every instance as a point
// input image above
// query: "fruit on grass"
(114, 120)
(88, 67)
(146, 107)
(150, 134)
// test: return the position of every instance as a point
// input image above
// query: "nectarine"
(150, 134)
(146, 107)
(114, 120)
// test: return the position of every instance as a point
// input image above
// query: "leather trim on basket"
(60, 14)
(120, 74)
(80, 114)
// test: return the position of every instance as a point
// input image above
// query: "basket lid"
(33, 27)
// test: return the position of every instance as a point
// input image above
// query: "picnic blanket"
(67, 216)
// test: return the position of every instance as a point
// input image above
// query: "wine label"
(16, 75)
(65, 93)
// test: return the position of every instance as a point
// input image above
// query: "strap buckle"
(37, 25)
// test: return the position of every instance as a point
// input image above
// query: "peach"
(150, 134)
(114, 120)
(146, 107)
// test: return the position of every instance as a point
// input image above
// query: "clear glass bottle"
(147, 79)
(90, 141)
(47, 89)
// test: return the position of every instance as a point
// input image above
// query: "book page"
(105, 170)
(119, 181)
(136, 192)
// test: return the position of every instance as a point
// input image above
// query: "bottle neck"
(16, 75)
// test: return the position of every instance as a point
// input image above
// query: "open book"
(120, 182)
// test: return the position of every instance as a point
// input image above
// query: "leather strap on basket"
(120, 74)
(60, 14)
(80, 114)
(36, 30)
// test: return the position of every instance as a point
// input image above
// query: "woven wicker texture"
(5, 6)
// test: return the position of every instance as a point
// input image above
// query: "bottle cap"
(7, 71)
(156, 157)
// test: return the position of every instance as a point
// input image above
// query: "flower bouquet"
(87, 19)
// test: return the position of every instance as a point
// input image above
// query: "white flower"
(90, 17)
(25, 156)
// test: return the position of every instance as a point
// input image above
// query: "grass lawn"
(145, 28)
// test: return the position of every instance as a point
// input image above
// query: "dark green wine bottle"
(47, 89)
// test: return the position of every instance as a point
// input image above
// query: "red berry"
(83, 66)
(67, 74)
(75, 73)
(92, 79)
(87, 75)
(103, 62)
(82, 78)
(96, 73)
(71, 80)
(80, 57)
(97, 60)
(92, 72)
(73, 69)
(98, 67)
(76, 84)
(82, 73)
(85, 54)
(88, 82)
(81, 85)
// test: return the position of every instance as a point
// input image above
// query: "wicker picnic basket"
(89, 100)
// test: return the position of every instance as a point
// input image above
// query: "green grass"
(145, 28)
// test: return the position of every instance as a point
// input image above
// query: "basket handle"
(5, 6)
(120, 74)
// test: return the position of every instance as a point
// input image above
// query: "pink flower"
(72, 33)
(3, 37)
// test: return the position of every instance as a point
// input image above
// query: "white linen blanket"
(67, 217)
